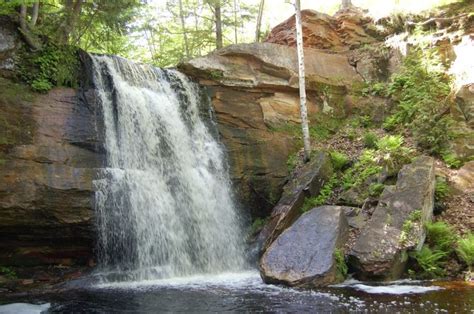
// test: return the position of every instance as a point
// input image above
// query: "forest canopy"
(164, 32)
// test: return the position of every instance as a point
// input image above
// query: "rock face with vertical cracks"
(303, 255)
(396, 224)
(254, 91)
(49, 151)
(307, 183)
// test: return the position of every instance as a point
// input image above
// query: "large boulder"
(49, 150)
(305, 254)
(396, 224)
(308, 182)
(348, 29)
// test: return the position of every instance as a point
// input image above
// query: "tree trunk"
(183, 28)
(73, 10)
(235, 22)
(345, 4)
(29, 38)
(259, 20)
(303, 110)
(218, 17)
(34, 14)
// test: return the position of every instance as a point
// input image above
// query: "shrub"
(339, 160)
(54, 65)
(376, 189)
(430, 261)
(323, 196)
(421, 91)
(465, 250)
(370, 140)
(440, 236)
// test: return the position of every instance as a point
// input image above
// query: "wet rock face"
(396, 224)
(303, 255)
(49, 156)
(348, 29)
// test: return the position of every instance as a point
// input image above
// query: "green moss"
(12, 93)
(292, 162)
(258, 224)
(216, 75)
(341, 265)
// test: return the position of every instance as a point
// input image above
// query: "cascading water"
(163, 202)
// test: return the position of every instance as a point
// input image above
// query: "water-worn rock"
(396, 224)
(303, 255)
(307, 183)
(345, 30)
(49, 149)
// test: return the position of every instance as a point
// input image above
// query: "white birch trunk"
(303, 111)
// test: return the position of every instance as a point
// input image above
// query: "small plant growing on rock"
(324, 195)
(376, 189)
(8, 272)
(341, 265)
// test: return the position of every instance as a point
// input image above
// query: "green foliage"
(372, 89)
(430, 261)
(392, 153)
(323, 126)
(341, 265)
(376, 189)
(421, 90)
(442, 189)
(451, 160)
(324, 195)
(465, 249)
(366, 166)
(339, 160)
(8, 272)
(257, 224)
(440, 236)
(54, 65)
(370, 140)
(292, 162)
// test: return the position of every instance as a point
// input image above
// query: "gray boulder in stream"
(396, 226)
(304, 254)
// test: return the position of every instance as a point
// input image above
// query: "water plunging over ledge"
(163, 202)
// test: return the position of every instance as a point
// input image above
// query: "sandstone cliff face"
(254, 91)
(49, 150)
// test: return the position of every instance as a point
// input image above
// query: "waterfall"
(163, 201)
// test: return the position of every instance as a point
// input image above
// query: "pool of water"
(246, 292)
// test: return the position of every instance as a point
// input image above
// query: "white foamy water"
(399, 287)
(163, 203)
(24, 308)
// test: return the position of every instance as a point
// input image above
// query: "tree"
(345, 4)
(259, 20)
(302, 87)
(183, 27)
